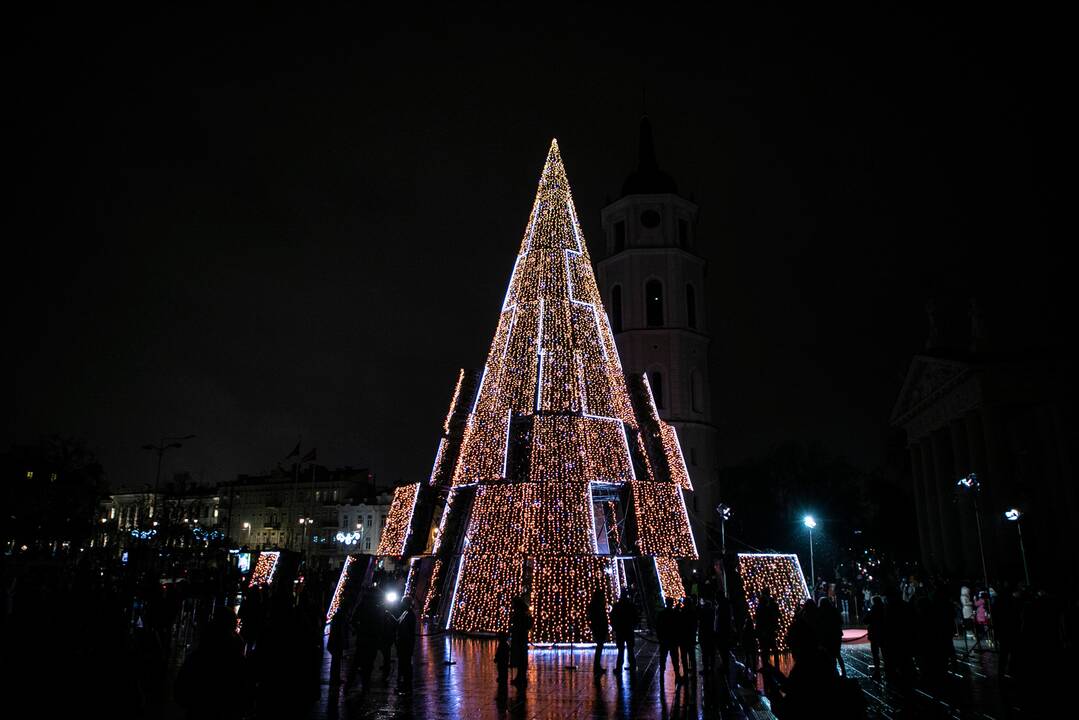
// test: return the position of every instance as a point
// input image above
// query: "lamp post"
(305, 522)
(970, 482)
(810, 523)
(724, 511)
(165, 443)
(1014, 516)
(247, 527)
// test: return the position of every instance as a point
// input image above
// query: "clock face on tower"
(650, 218)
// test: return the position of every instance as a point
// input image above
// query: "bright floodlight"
(1012, 514)
(809, 522)
(391, 597)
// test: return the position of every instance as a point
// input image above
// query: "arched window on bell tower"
(653, 303)
(691, 307)
(616, 309)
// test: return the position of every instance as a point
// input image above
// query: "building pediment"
(927, 380)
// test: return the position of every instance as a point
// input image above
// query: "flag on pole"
(295, 451)
(309, 456)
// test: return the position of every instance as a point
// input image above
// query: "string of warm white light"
(453, 402)
(670, 579)
(782, 576)
(431, 601)
(265, 567)
(398, 521)
(342, 580)
(662, 526)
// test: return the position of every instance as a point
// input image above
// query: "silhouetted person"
(724, 631)
(337, 644)
(830, 631)
(520, 625)
(387, 636)
(667, 634)
(687, 637)
(502, 659)
(768, 627)
(750, 648)
(1006, 622)
(209, 681)
(803, 639)
(597, 622)
(406, 645)
(874, 621)
(897, 644)
(981, 620)
(624, 621)
(706, 633)
(366, 631)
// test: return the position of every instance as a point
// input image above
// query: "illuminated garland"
(398, 521)
(410, 577)
(431, 600)
(453, 402)
(485, 586)
(670, 579)
(342, 580)
(265, 568)
(662, 525)
(561, 590)
(676, 462)
(437, 468)
(782, 575)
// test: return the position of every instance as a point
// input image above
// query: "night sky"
(252, 225)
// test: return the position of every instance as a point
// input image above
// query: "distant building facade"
(266, 510)
(1008, 418)
(307, 511)
(360, 524)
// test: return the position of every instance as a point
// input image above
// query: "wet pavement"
(560, 685)
(455, 677)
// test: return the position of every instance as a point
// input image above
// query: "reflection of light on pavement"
(853, 636)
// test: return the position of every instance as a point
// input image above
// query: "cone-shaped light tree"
(564, 468)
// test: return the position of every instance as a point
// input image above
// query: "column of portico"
(920, 510)
(932, 506)
(945, 501)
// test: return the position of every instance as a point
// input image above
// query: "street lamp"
(724, 512)
(970, 482)
(247, 527)
(810, 523)
(165, 444)
(306, 522)
(1014, 516)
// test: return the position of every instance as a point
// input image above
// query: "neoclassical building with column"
(1007, 418)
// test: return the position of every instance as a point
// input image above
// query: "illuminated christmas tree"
(555, 472)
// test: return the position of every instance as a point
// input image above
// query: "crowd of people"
(221, 649)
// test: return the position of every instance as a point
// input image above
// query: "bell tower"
(653, 286)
